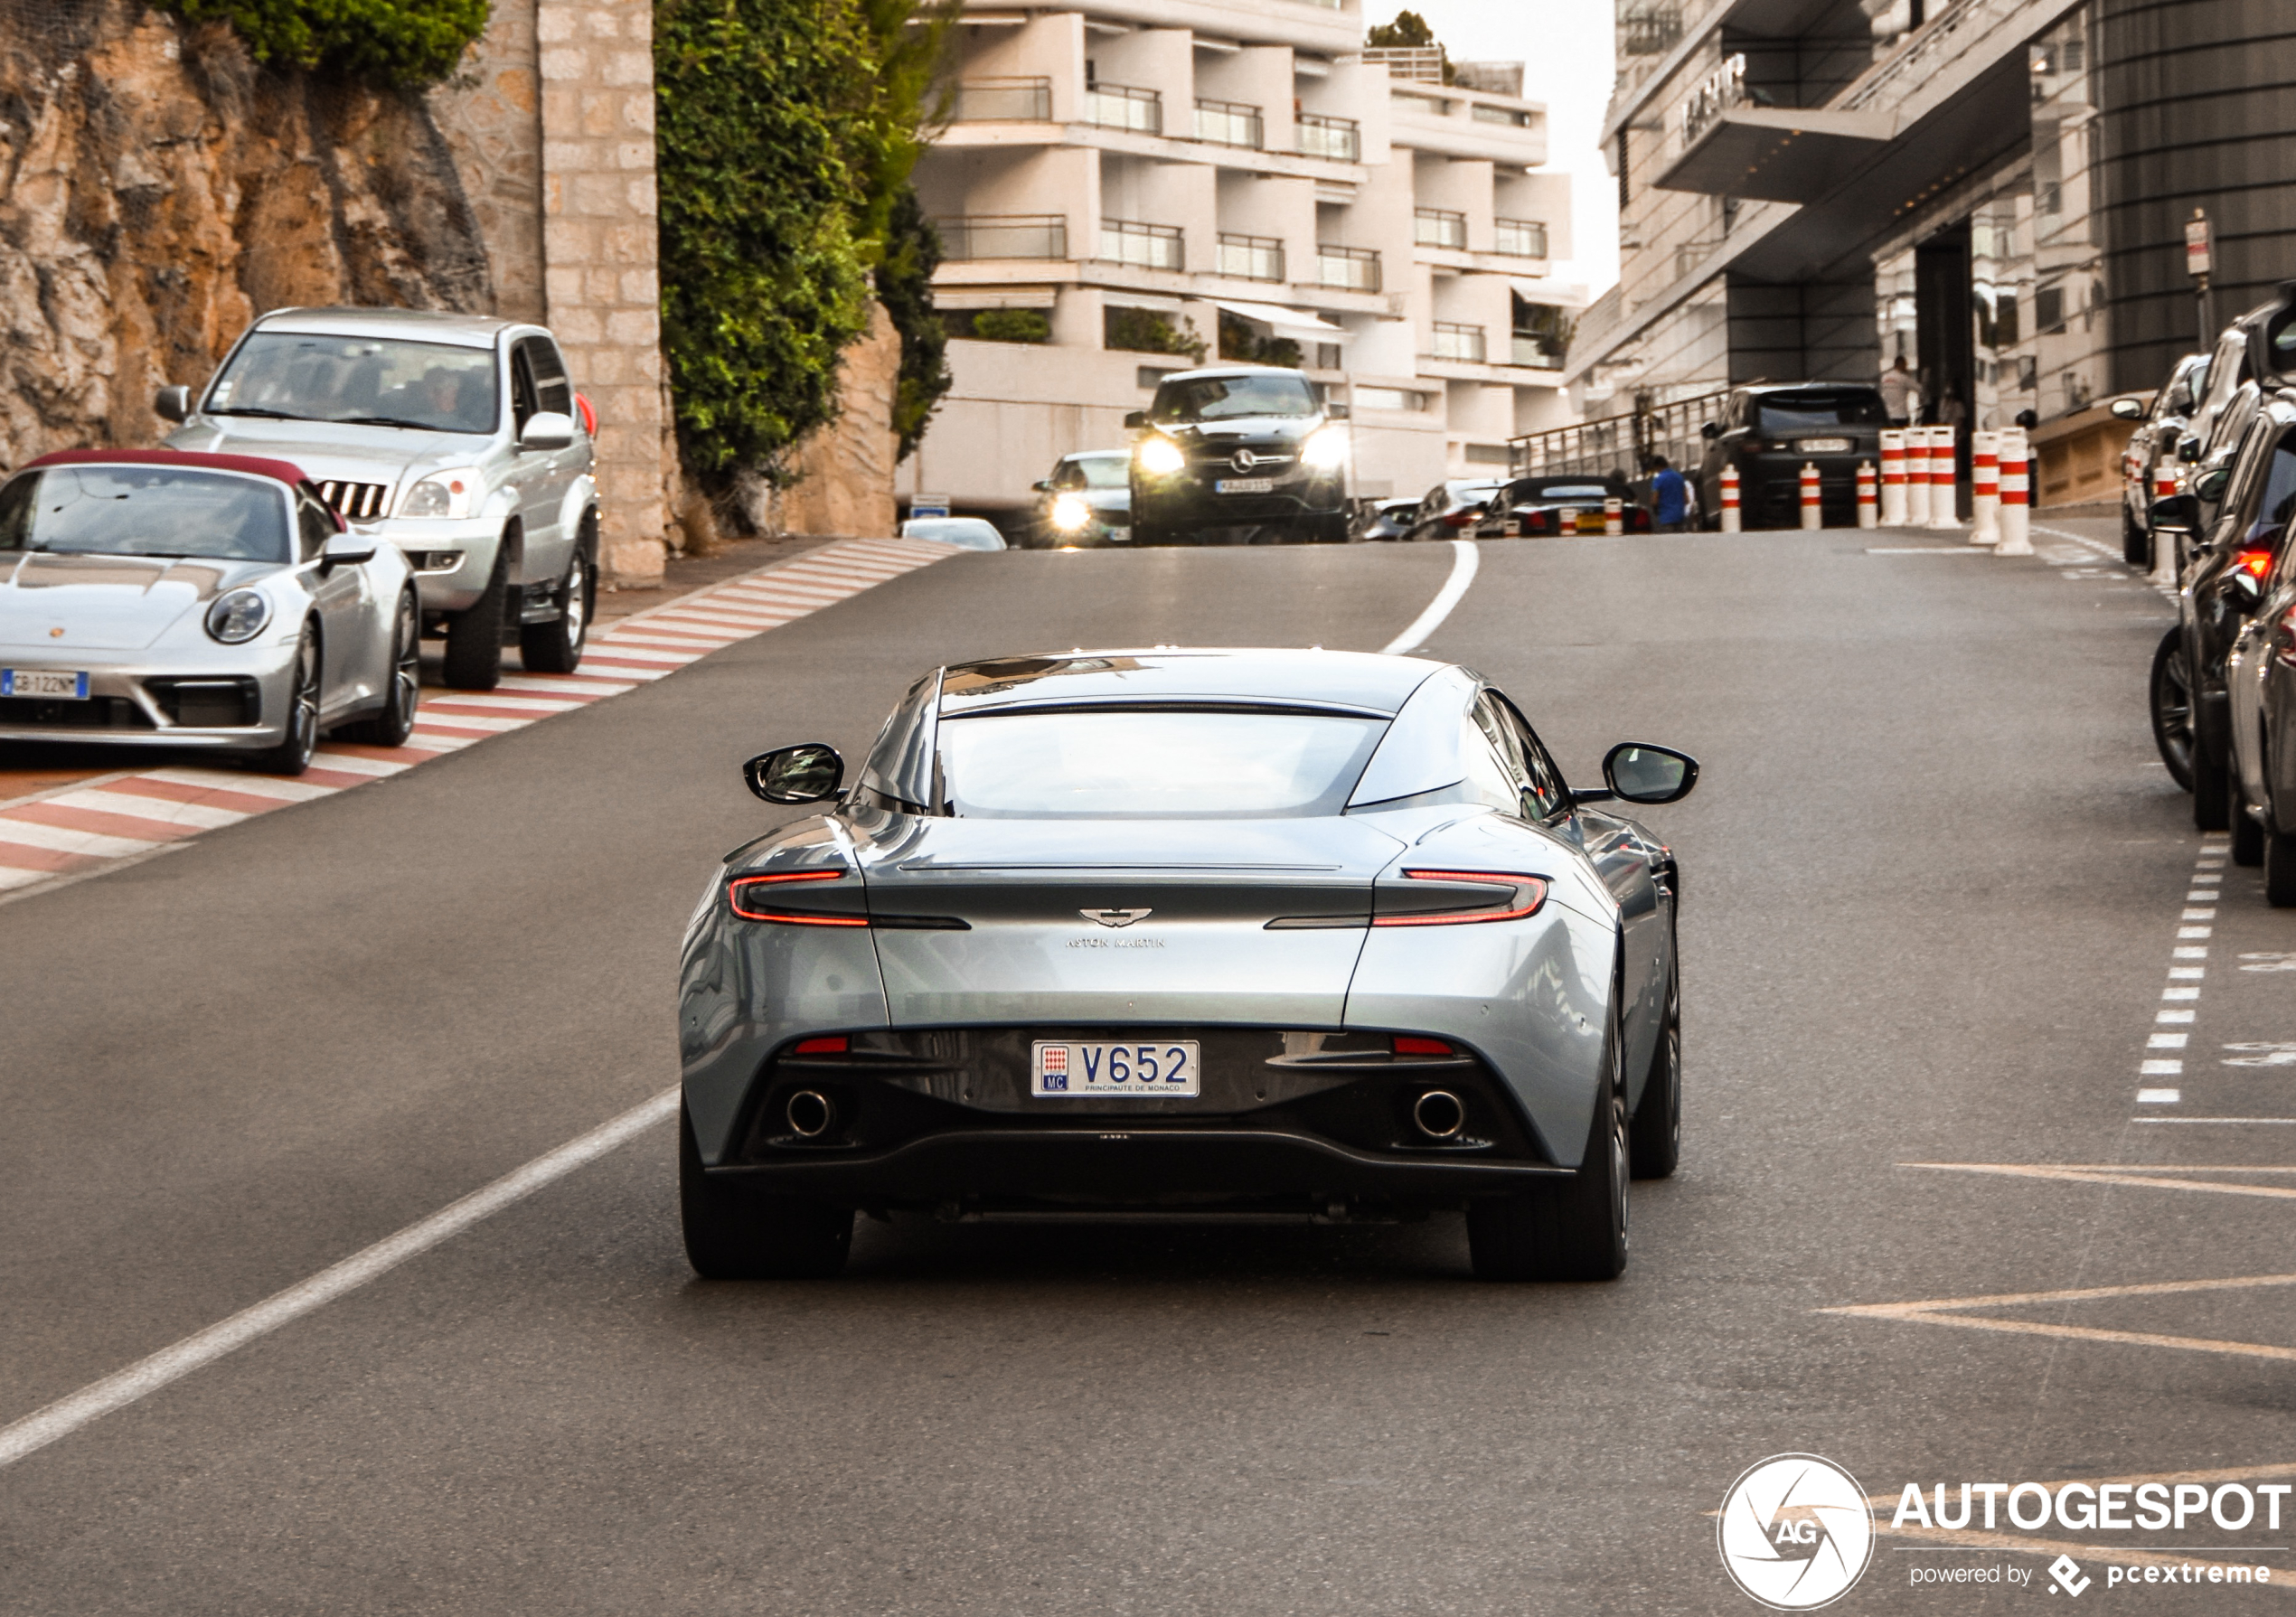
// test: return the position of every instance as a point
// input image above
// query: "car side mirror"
(1042, 486)
(2127, 409)
(2210, 487)
(1335, 412)
(546, 430)
(171, 404)
(806, 773)
(1637, 772)
(1711, 430)
(1135, 420)
(348, 548)
(2179, 513)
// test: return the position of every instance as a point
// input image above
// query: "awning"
(1118, 299)
(993, 297)
(1289, 323)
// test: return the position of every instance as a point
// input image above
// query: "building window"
(1462, 342)
(1338, 138)
(2049, 310)
(1003, 236)
(1117, 106)
(1541, 335)
(1003, 102)
(1482, 114)
(1228, 123)
(1437, 227)
(1347, 268)
(1251, 258)
(1399, 398)
(1142, 245)
(1518, 238)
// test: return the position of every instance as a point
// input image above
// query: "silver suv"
(458, 438)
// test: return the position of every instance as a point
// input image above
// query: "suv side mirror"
(1135, 420)
(1637, 772)
(1335, 412)
(171, 404)
(2179, 513)
(2211, 486)
(1711, 430)
(2127, 409)
(546, 430)
(806, 773)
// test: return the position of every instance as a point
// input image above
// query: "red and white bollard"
(1985, 488)
(1812, 513)
(2016, 484)
(1917, 477)
(1730, 499)
(1868, 500)
(1893, 476)
(1614, 516)
(1945, 475)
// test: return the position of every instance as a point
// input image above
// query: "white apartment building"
(1130, 164)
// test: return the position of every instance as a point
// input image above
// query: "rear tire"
(2247, 831)
(474, 660)
(1574, 1230)
(2280, 869)
(2211, 783)
(556, 647)
(1655, 1138)
(734, 1233)
(2171, 700)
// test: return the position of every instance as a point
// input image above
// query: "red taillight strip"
(735, 888)
(2257, 562)
(1531, 892)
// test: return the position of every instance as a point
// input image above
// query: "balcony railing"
(1420, 62)
(1119, 106)
(1003, 101)
(1003, 236)
(1438, 227)
(1251, 258)
(1458, 342)
(1228, 123)
(1347, 268)
(1518, 238)
(1339, 138)
(1142, 245)
(1531, 352)
(1514, 117)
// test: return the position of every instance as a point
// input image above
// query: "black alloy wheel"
(734, 1233)
(390, 724)
(2171, 700)
(1655, 1135)
(556, 647)
(292, 755)
(474, 660)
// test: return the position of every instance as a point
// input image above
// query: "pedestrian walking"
(1672, 496)
(1900, 393)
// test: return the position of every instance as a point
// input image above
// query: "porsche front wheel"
(1574, 1230)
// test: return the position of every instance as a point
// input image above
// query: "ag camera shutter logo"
(1795, 1532)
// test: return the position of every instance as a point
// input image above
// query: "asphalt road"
(1933, 879)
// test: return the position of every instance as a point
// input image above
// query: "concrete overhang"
(1781, 154)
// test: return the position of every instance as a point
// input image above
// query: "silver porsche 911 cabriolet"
(1178, 932)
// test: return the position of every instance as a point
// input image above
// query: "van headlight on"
(238, 617)
(1325, 449)
(1158, 456)
(444, 494)
(1070, 514)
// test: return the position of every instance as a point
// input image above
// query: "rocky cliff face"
(158, 189)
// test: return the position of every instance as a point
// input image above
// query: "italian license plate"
(1245, 485)
(1092, 1066)
(1823, 446)
(43, 681)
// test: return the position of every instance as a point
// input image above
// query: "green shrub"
(1239, 342)
(1145, 331)
(401, 43)
(905, 286)
(1012, 325)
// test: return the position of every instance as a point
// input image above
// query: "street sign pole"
(2199, 261)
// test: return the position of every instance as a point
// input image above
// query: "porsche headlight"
(1070, 513)
(1325, 449)
(448, 493)
(1158, 456)
(238, 617)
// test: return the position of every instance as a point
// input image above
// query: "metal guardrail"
(1618, 443)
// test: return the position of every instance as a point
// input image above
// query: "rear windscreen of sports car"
(143, 510)
(1134, 764)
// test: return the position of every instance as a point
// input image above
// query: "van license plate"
(43, 681)
(1060, 1069)
(1245, 485)
(1823, 446)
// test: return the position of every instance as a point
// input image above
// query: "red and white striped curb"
(85, 827)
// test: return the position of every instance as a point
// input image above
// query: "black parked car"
(1250, 449)
(1770, 432)
(1452, 508)
(2226, 528)
(2260, 675)
(1549, 507)
(2152, 444)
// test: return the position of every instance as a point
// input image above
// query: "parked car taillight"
(1536, 521)
(2257, 562)
(1638, 520)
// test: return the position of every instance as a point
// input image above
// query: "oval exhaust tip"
(1439, 1115)
(810, 1113)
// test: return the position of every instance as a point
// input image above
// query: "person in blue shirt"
(1672, 494)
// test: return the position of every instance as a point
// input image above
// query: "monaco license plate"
(43, 681)
(1245, 485)
(1823, 446)
(1062, 1068)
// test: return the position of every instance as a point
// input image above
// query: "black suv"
(1250, 447)
(1770, 431)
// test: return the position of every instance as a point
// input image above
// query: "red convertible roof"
(283, 471)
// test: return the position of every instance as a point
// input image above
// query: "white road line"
(2213, 1120)
(147, 1375)
(2159, 1097)
(1465, 559)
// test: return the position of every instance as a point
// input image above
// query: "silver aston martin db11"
(159, 597)
(1180, 933)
